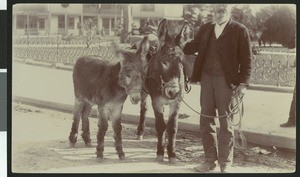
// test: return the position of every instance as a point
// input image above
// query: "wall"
(158, 11)
(173, 11)
(72, 9)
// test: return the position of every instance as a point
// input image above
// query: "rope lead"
(236, 106)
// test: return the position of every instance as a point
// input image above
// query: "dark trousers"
(216, 95)
(292, 115)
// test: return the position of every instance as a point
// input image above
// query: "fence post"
(57, 45)
(27, 45)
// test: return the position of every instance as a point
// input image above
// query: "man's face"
(221, 13)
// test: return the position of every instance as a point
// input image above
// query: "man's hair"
(228, 7)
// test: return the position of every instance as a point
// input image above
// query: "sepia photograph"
(153, 88)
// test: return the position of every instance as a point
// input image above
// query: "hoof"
(172, 160)
(160, 158)
(140, 137)
(100, 158)
(72, 145)
(122, 157)
(88, 144)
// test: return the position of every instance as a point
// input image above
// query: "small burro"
(165, 80)
(107, 85)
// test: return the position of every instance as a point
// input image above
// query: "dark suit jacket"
(233, 47)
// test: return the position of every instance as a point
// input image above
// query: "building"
(62, 19)
(66, 19)
(153, 13)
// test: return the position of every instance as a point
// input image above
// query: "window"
(94, 20)
(33, 22)
(105, 22)
(41, 23)
(61, 22)
(71, 22)
(21, 21)
(147, 8)
(112, 23)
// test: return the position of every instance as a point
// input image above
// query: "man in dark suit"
(292, 116)
(223, 64)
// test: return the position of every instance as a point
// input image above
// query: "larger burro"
(164, 82)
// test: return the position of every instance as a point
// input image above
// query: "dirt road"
(40, 144)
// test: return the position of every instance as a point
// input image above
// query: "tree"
(244, 15)
(281, 27)
(89, 27)
(263, 15)
(196, 14)
(126, 16)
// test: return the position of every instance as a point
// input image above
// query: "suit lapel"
(210, 30)
(226, 29)
(207, 34)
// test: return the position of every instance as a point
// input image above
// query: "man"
(223, 64)
(292, 116)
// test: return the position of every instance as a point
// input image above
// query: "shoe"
(226, 169)
(206, 166)
(288, 124)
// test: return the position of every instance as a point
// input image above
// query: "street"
(40, 144)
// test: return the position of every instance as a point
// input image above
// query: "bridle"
(159, 80)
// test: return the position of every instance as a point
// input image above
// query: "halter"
(132, 91)
(159, 80)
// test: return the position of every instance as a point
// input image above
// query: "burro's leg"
(102, 128)
(115, 115)
(78, 107)
(86, 124)
(160, 127)
(143, 111)
(172, 126)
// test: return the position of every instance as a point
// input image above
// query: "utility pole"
(126, 22)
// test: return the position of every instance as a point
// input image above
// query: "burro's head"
(131, 71)
(168, 60)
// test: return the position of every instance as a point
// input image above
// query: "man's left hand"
(241, 88)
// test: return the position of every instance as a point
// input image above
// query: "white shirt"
(219, 29)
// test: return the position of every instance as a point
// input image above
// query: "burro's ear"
(143, 49)
(135, 45)
(183, 35)
(144, 46)
(162, 32)
(178, 52)
(116, 48)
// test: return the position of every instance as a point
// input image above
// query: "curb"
(255, 137)
(271, 88)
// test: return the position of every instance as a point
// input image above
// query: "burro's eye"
(127, 79)
(165, 63)
(130, 67)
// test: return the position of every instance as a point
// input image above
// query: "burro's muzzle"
(135, 97)
(172, 92)
(171, 89)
